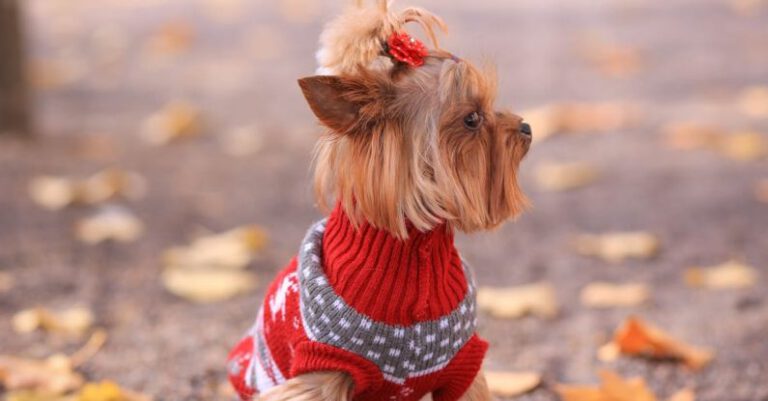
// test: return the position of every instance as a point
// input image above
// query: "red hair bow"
(406, 49)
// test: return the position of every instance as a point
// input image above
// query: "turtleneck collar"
(392, 280)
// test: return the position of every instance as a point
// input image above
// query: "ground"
(241, 69)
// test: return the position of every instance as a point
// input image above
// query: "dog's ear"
(344, 103)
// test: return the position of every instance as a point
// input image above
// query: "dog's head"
(413, 134)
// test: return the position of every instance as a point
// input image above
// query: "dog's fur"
(397, 149)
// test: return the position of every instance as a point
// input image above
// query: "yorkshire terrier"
(378, 305)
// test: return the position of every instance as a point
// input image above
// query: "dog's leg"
(478, 390)
(323, 386)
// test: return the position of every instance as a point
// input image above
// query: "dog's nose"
(525, 129)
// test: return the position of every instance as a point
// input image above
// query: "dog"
(378, 304)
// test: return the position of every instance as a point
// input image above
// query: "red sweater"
(398, 316)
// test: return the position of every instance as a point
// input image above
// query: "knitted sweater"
(398, 316)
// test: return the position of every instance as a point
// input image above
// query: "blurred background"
(155, 174)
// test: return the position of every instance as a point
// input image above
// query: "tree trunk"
(14, 115)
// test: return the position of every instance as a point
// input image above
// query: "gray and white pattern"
(399, 351)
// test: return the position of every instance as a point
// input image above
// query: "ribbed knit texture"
(420, 278)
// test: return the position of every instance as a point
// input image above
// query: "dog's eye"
(473, 121)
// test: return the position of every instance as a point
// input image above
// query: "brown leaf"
(512, 384)
(618, 246)
(580, 118)
(206, 286)
(175, 121)
(639, 338)
(608, 295)
(515, 302)
(111, 223)
(753, 100)
(731, 274)
(53, 375)
(73, 321)
(565, 176)
(612, 388)
(761, 191)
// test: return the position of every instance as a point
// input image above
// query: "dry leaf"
(175, 121)
(242, 141)
(231, 249)
(172, 38)
(54, 375)
(685, 394)
(6, 282)
(110, 223)
(753, 101)
(55, 193)
(691, 135)
(73, 321)
(743, 146)
(761, 191)
(208, 285)
(618, 246)
(515, 302)
(639, 338)
(608, 295)
(612, 388)
(87, 351)
(608, 352)
(731, 274)
(512, 384)
(611, 59)
(565, 176)
(107, 390)
(575, 118)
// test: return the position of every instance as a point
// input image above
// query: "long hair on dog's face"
(417, 145)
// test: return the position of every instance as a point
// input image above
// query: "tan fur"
(321, 386)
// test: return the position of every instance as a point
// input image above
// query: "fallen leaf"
(55, 193)
(617, 246)
(608, 352)
(743, 146)
(108, 390)
(748, 7)
(691, 135)
(580, 118)
(685, 394)
(232, 249)
(72, 321)
(565, 176)
(53, 375)
(612, 59)
(515, 302)
(175, 121)
(761, 191)
(6, 282)
(731, 274)
(172, 38)
(639, 338)
(87, 351)
(608, 295)
(205, 286)
(753, 100)
(512, 384)
(612, 388)
(112, 223)
(242, 141)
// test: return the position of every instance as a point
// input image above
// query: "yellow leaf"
(175, 121)
(612, 388)
(565, 176)
(515, 302)
(231, 249)
(107, 390)
(691, 136)
(685, 394)
(618, 246)
(607, 295)
(639, 338)
(731, 274)
(743, 146)
(580, 118)
(52, 193)
(73, 321)
(110, 223)
(53, 375)
(753, 100)
(512, 384)
(56, 193)
(205, 286)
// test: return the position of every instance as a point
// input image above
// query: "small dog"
(378, 305)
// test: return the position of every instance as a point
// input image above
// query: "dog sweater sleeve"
(313, 357)
(461, 372)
